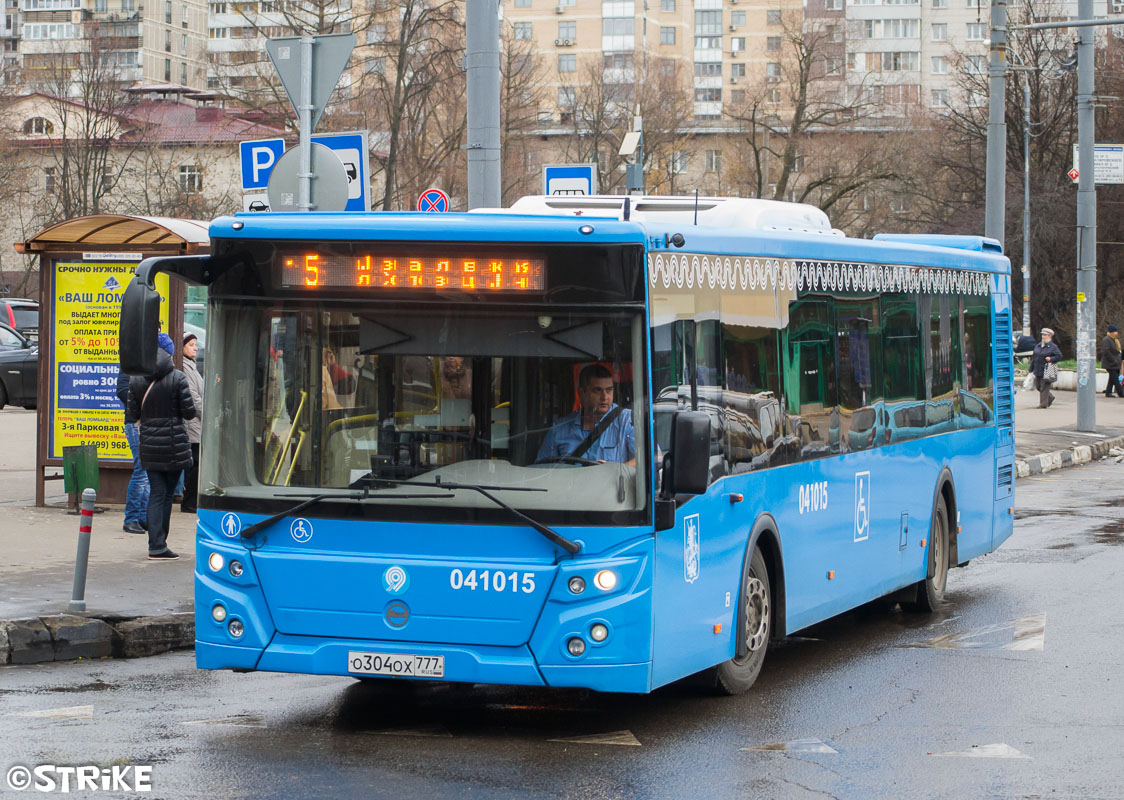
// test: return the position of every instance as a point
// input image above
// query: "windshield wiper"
(316, 498)
(570, 547)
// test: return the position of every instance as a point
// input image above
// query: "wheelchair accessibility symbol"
(301, 530)
(862, 506)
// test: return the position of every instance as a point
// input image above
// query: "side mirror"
(25, 343)
(690, 453)
(140, 324)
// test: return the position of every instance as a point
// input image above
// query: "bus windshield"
(375, 397)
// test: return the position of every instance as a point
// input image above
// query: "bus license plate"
(401, 665)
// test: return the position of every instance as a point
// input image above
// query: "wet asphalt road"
(1016, 689)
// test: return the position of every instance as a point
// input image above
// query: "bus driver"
(599, 431)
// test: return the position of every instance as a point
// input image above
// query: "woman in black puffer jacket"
(160, 405)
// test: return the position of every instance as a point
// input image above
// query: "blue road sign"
(569, 178)
(433, 200)
(258, 159)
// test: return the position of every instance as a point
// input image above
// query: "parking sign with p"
(257, 160)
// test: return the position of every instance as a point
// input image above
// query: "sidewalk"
(137, 607)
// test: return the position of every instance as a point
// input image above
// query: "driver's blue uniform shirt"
(616, 443)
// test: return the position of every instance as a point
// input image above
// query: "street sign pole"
(1086, 230)
(304, 111)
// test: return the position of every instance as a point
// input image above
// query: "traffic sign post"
(573, 179)
(259, 159)
(433, 200)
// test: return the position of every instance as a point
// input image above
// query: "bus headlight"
(218, 613)
(606, 580)
(598, 632)
(577, 584)
(215, 562)
(575, 646)
(235, 628)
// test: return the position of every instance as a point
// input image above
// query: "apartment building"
(163, 41)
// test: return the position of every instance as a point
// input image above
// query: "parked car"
(20, 314)
(19, 368)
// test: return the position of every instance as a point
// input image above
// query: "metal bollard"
(85, 522)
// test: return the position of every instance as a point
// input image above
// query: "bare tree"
(521, 96)
(667, 110)
(598, 108)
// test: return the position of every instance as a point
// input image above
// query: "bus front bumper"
(477, 664)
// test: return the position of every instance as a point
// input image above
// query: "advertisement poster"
(85, 320)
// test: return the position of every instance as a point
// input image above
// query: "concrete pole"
(482, 64)
(1086, 229)
(996, 180)
(1026, 207)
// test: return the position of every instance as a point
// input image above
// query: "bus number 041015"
(490, 580)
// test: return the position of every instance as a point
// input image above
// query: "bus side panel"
(698, 571)
(1003, 520)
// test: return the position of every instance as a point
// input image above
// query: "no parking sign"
(433, 200)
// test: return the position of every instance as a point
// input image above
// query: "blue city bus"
(408, 472)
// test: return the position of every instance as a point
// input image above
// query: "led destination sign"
(405, 270)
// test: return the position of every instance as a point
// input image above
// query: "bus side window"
(809, 375)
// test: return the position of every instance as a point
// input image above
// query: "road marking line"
(66, 712)
(796, 746)
(621, 738)
(998, 750)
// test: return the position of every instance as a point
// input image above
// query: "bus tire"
(755, 614)
(930, 591)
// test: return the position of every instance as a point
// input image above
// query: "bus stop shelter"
(85, 264)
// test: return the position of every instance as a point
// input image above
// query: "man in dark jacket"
(1110, 361)
(160, 405)
(136, 496)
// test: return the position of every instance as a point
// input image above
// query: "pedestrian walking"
(136, 495)
(194, 426)
(1044, 365)
(1110, 361)
(161, 404)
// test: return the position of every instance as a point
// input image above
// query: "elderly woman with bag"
(1044, 366)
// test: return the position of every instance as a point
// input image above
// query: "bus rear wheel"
(755, 614)
(930, 591)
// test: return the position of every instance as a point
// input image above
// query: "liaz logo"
(111, 283)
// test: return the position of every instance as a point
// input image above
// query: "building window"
(190, 178)
(39, 125)
(938, 98)
(667, 67)
(708, 95)
(737, 44)
(167, 70)
(667, 5)
(129, 6)
(737, 98)
(940, 65)
(167, 41)
(678, 162)
(522, 3)
(773, 17)
(737, 70)
(565, 96)
(667, 35)
(737, 18)
(523, 31)
(708, 23)
(900, 62)
(976, 99)
(977, 31)
(708, 69)
(939, 32)
(835, 33)
(975, 3)
(568, 63)
(773, 95)
(940, 3)
(773, 71)
(183, 73)
(566, 30)
(375, 66)
(101, 6)
(833, 66)
(168, 12)
(976, 64)
(833, 5)
(713, 160)
(772, 43)
(49, 184)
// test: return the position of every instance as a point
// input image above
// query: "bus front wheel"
(930, 591)
(756, 618)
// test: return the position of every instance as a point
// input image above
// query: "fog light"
(606, 580)
(219, 613)
(235, 628)
(577, 584)
(215, 562)
(236, 568)
(598, 632)
(576, 646)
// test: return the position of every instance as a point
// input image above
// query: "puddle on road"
(1022, 634)
(93, 686)
(1109, 533)
(796, 746)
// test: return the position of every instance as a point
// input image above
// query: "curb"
(1081, 454)
(65, 637)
